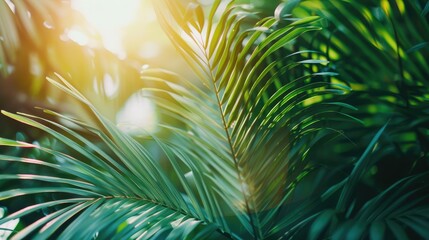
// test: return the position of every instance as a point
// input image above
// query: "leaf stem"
(231, 147)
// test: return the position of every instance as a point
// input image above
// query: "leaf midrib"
(228, 135)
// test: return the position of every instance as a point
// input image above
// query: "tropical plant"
(388, 73)
(230, 119)
(240, 161)
(377, 47)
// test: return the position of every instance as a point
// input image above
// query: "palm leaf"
(248, 126)
(100, 200)
(244, 115)
(391, 39)
(6, 229)
(134, 175)
(396, 212)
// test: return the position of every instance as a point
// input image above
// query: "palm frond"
(377, 47)
(392, 42)
(130, 179)
(249, 121)
(7, 228)
(399, 212)
(382, 216)
(248, 118)
(239, 151)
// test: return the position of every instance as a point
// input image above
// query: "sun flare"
(108, 14)
(108, 18)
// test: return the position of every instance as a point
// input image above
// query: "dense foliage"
(307, 121)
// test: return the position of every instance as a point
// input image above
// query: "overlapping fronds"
(249, 123)
(380, 48)
(248, 118)
(130, 184)
(237, 152)
(399, 212)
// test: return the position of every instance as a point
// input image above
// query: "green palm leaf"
(253, 117)
(396, 212)
(240, 151)
(374, 44)
(152, 204)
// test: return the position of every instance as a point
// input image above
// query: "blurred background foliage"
(380, 48)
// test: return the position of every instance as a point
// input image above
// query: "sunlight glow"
(109, 17)
(11, 5)
(111, 86)
(113, 21)
(77, 37)
(108, 14)
(138, 116)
